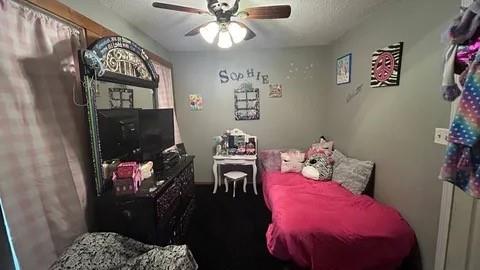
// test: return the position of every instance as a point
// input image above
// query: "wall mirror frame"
(115, 67)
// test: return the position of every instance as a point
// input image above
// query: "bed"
(106, 250)
(322, 225)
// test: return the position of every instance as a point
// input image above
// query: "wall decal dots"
(306, 72)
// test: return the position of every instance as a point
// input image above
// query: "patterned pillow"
(322, 147)
(292, 161)
(318, 167)
(270, 160)
(353, 174)
(338, 157)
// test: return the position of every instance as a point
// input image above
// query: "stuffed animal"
(318, 167)
(94, 62)
(322, 147)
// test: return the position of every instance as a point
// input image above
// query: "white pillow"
(292, 161)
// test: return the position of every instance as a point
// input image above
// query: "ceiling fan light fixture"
(210, 32)
(242, 14)
(237, 32)
(224, 39)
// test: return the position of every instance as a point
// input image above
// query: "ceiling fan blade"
(250, 33)
(269, 12)
(196, 30)
(179, 8)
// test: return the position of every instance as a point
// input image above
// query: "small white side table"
(245, 160)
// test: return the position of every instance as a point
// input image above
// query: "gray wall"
(395, 126)
(292, 121)
(109, 19)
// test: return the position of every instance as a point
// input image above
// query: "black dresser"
(159, 216)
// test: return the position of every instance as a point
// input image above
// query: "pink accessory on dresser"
(126, 169)
(127, 178)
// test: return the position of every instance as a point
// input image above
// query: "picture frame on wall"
(387, 66)
(247, 102)
(344, 69)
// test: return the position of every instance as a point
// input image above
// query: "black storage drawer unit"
(157, 216)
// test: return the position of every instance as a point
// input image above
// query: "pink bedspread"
(321, 225)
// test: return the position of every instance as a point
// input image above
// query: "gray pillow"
(353, 174)
(338, 157)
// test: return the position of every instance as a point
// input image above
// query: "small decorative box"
(130, 183)
(126, 169)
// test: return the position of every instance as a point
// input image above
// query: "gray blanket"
(102, 251)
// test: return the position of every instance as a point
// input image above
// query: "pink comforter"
(321, 225)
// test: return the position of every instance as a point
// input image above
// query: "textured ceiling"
(313, 22)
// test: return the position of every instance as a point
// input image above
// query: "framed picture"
(195, 102)
(344, 69)
(247, 102)
(275, 91)
(120, 98)
(386, 66)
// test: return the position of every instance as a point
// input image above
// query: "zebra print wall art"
(386, 66)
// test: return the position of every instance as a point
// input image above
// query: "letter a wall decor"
(386, 66)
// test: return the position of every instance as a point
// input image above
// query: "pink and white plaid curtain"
(43, 138)
(165, 94)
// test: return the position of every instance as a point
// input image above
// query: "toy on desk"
(241, 149)
(108, 168)
(127, 178)
(219, 144)
(93, 62)
(251, 148)
(147, 170)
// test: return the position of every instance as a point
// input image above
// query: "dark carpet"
(229, 233)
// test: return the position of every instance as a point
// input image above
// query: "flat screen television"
(156, 132)
(119, 134)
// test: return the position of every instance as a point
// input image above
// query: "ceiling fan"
(223, 27)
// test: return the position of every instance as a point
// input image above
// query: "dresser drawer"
(165, 204)
(186, 180)
(132, 218)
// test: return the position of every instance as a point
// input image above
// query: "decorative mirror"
(117, 77)
(241, 143)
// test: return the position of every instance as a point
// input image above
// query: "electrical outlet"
(441, 136)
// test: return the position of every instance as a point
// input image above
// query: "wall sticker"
(296, 72)
(227, 76)
(354, 93)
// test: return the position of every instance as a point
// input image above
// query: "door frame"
(447, 200)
